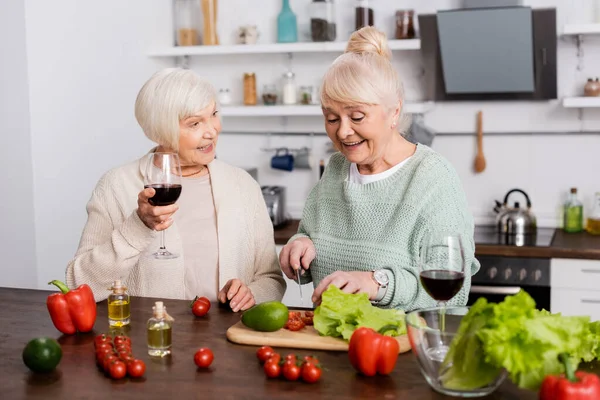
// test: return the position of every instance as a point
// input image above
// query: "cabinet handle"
(590, 271)
(589, 301)
(505, 290)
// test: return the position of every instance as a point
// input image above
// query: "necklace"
(193, 173)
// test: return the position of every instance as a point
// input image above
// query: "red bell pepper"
(574, 386)
(72, 310)
(373, 353)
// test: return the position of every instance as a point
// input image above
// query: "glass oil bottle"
(159, 331)
(593, 221)
(573, 213)
(119, 313)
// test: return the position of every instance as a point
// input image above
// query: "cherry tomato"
(200, 306)
(103, 338)
(311, 359)
(108, 360)
(276, 357)
(122, 339)
(291, 357)
(264, 353)
(307, 318)
(101, 354)
(272, 369)
(203, 358)
(294, 325)
(127, 358)
(291, 371)
(124, 353)
(310, 373)
(136, 368)
(117, 370)
(104, 345)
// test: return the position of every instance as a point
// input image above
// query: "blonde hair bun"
(369, 40)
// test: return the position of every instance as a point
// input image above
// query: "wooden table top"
(235, 373)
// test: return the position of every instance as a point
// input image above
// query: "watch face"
(381, 277)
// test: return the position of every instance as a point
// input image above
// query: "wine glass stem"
(162, 240)
(442, 304)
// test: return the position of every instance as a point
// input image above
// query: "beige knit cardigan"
(116, 244)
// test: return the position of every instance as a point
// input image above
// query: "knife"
(299, 285)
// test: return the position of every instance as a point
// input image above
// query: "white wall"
(17, 235)
(87, 60)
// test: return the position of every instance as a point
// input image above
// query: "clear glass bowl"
(429, 345)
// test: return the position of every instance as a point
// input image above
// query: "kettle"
(515, 220)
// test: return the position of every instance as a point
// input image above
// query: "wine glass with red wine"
(163, 174)
(442, 273)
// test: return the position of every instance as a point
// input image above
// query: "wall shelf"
(581, 102)
(273, 48)
(581, 29)
(301, 110)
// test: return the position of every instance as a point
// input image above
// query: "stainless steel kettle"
(515, 220)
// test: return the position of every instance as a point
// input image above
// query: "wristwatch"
(381, 277)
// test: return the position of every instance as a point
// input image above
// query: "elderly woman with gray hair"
(380, 195)
(219, 225)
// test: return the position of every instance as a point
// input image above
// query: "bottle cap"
(118, 286)
(573, 190)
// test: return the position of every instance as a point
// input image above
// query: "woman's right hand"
(296, 254)
(157, 218)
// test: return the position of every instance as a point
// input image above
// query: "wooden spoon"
(479, 157)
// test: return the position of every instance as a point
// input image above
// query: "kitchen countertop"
(564, 245)
(234, 374)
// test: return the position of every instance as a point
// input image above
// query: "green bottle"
(573, 218)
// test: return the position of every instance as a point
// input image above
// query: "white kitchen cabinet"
(575, 287)
(291, 298)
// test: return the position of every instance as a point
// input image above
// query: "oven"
(503, 276)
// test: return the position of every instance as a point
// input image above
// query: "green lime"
(266, 317)
(42, 354)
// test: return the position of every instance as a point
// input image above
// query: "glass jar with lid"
(364, 15)
(405, 27)
(186, 22)
(322, 21)
(289, 88)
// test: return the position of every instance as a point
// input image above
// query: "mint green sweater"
(381, 224)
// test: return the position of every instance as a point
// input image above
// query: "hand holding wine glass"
(163, 176)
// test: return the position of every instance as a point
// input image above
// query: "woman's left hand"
(240, 295)
(348, 282)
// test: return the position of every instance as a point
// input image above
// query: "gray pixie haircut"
(168, 97)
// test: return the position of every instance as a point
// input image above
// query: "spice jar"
(250, 89)
(289, 88)
(269, 95)
(322, 21)
(306, 94)
(364, 14)
(224, 97)
(186, 14)
(405, 28)
(209, 11)
(592, 88)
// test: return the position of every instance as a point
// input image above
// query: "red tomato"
(276, 357)
(124, 353)
(294, 325)
(200, 306)
(307, 317)
(203, 358)
(108, 360)
(291, 371)
(310, 373)
(291, 357)
(104, 346)
(122, 339)
(127, 358)
(101, 354)
(117, 370)
(272, 369)
(264, 353)
(136, 368)
(103, 338)
(311, 359)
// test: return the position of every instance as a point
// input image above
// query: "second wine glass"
(163, 174)
(442, 273)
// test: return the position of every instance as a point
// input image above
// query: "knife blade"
(299, 285)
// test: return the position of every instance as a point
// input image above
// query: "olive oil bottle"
(573, 213)
(119, 313)
(593, 221)
(159, 331)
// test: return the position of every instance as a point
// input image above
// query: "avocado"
(266, 317)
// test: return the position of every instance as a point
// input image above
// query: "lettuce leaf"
(341, 313)
(513, 335)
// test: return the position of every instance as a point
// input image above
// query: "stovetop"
(489, 235)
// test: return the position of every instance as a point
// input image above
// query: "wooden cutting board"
(306, 338)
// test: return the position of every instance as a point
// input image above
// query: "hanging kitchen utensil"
(479, 157)
(515, 220)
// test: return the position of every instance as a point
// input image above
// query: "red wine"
(442, 284)
(166, 194)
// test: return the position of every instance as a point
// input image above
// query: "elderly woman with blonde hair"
(220, 225)
(380, 195)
